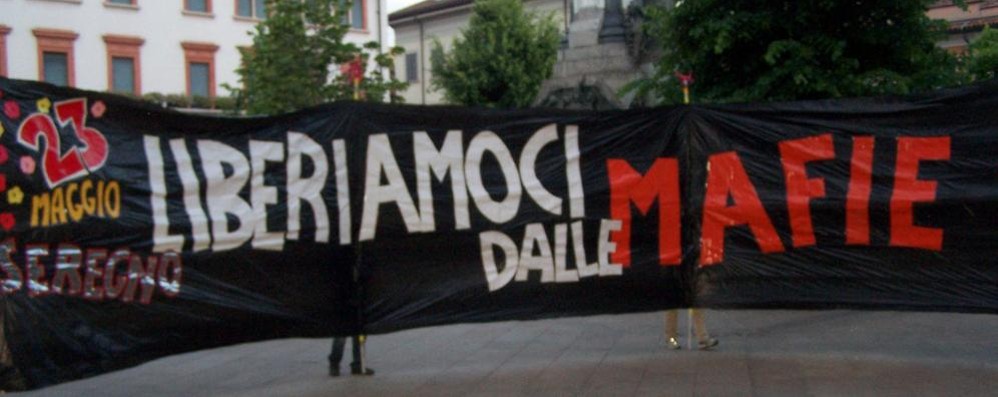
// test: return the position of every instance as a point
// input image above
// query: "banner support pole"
(685, 80)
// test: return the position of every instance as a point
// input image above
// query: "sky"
(395, 5)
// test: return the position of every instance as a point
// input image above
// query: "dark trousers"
(336, 356)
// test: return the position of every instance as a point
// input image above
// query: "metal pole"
(689, 312)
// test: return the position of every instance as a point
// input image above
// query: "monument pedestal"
(589, 74)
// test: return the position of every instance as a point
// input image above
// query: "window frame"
(207, 8)
(56, 41)
(255, 15)
(132, 4)
(4, 31)
(195, 52)
(119, 46)
(363, 17)
(414, 78)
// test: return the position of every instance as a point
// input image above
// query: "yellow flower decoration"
(1, 130)
(15, 195)
(43, 105)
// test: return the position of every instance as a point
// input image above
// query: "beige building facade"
(964, 25)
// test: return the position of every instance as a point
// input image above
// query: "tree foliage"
(294, 55)
(500, 60)
(981, 62)
(764, 50)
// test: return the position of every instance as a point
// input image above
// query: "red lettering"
(57, 167)
(908, 189)
(35, 269)
(795, 154)
(13, 278)
(94, 151)
(627, 186)
(139, 273)
(67, 269)
(170, 286)
(92, 272)
(115, 283)
(727, 177)
(860, 187)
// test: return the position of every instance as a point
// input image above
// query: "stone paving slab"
(762, 353)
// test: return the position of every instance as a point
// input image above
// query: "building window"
(56, 66)
(199, 60)
(355, 16)
(251, 9)
(202, 6)
(200, 82)
(4, 30)
(411, 67)
(124, 64)
(55, 56)
(121, 2)
(123, 75)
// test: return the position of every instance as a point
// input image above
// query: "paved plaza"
(762, 353)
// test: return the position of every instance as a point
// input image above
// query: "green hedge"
(227, 104)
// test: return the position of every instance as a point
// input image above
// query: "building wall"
(162, 24)
(964, 26)
(444, 26)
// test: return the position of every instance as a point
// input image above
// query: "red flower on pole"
(7, 221)
(11, 109)
(3, 154)
(356, 70)
(686, 79)
(3, 182)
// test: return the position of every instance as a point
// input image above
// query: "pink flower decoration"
(27, 165)
(3, 182)
(7, 221)
(686, 79)
(3, 154)
(98, 109)
(11, 109)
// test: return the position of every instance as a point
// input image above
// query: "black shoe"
(334, 371)
(708, 344)
(356, 371)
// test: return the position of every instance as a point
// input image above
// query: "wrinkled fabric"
(131, 232)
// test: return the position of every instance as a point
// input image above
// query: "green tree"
(764, 50)
(289, 66)
(981, 62)
(500, 60)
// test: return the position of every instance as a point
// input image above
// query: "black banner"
(130, 232)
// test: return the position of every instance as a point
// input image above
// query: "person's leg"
(672, 329)
(356, 352)
(700, 327)
(355, 366)
(336, 355)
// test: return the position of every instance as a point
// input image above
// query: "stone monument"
(596, 62)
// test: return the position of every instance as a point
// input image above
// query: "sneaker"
(672, 343)
(334, 371)
(356, 371)
(708, 344)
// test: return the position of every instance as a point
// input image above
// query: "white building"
(142, 46)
